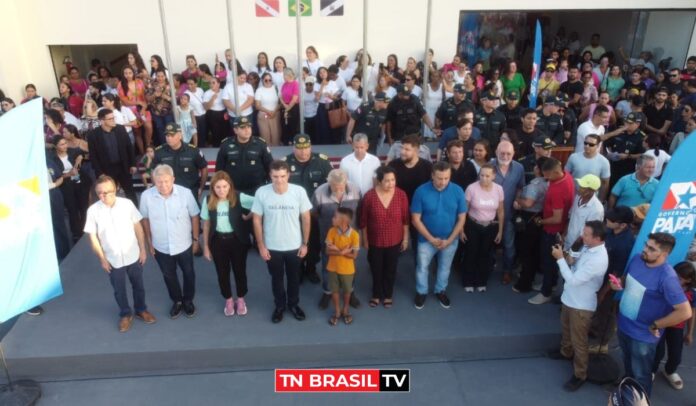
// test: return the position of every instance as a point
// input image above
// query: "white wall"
(672, 42)
(200, 27)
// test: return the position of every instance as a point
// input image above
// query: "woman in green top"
(226, 238)
(613, 83)
(513, 80)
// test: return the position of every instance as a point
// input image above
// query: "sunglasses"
(674, 76)
(589, 144)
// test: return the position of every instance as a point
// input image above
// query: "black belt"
(224, 236)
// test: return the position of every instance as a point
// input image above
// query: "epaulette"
(323, 156)
(158, 147)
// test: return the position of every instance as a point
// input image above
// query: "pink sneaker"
(229, 307)
(241, 306)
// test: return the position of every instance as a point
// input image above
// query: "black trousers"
(219, 129)
(75, 198)
(228, 252)
(673, 339)
(383, 264)
(309, 262)
(529, 243)
(282, 265)
(549, 267)
(479, 249)
(124, 180)
(168, 264)
(310, 129)
(291, 125)
(61, 238)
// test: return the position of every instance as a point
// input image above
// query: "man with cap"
(624, 148)
(490, 121)
(586, 207)
(369, 120)
(619, 243)
(448, 112)
(548, 85)
(404, 115)
(309, 170)
(245, 158)
(550, 122)
(527, 133)
(569, 119)
(190, 167)
(542, 148)
(591, 162)
(512, 110)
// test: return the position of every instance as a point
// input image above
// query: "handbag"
(338, 115)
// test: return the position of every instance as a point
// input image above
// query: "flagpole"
(426, 65)
(298, 31)
(167, 56)
(364, 58)
(230, 32)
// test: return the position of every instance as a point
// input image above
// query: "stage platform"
(77, 336)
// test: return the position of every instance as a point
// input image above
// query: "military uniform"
(528, 163)
(187, 162)
(624, 143)
(491, 126)
(405, 116)
(247, 164)
(449, 110)
(513, 117)
(369, 121)
(311, 174)
(551, 125)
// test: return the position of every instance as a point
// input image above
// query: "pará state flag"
(29, 272)
(267, 8)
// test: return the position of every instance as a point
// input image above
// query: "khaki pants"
(269, 128)
(575, 325)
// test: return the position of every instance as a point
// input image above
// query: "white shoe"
(674, 380)
(469, 289)
(537, 286)
(481, 289)
(539, 299)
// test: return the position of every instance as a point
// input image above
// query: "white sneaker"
(539, 299)
(229, 307)
(537, 286)
(481, 289)
(469, 289)
(674, 380)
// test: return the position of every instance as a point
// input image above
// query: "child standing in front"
(342, 245)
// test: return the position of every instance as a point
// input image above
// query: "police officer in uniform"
(245, 158)
(190, 167)
(625, 148)
(404, 116)
(369, 120)
(542, 148)
(309, 170)
(512, 110)
(488, 120)
(549, 121)
(570, 121)
(450, 109)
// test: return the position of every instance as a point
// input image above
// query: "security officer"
(190, 167)
(512, 110)
(369, 120)
(542, 148)
(308, 170)
(404, 116)
(625, 148)
(448, 112)
(549, 121)
(570, 120)
(490, 121)
(245, 158)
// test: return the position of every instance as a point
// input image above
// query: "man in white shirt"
(586, 207)
(591, 126)
(118, 240)
(579, 299)
(246, 95)
(281, 213)
(171, 223)
(361, 165)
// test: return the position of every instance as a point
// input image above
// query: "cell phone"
(616, 281)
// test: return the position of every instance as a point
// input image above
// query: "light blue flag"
(29, 271)
(534, 80)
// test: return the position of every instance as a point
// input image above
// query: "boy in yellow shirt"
(342, 245)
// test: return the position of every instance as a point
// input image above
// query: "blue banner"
(673, 208)
(534, 80)
(29, 274)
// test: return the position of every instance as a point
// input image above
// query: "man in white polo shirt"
(361, 165)
(113, 225)
(579, 299)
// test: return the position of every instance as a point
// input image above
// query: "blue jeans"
(160, 122)
(167, 264)
(117, 276)
(426, 252)
(638, 359)
(508, 245)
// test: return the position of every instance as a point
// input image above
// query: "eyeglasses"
(589, 144)
(651, 248)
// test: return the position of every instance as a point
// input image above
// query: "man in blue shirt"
(652, 300)
(438, 212)
(637, 188)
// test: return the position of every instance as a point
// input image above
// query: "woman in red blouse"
(384, 220)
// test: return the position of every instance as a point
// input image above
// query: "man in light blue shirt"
(637, 188)
(281, 225)
(171, 224)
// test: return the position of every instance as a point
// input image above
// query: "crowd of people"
(492, 183)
